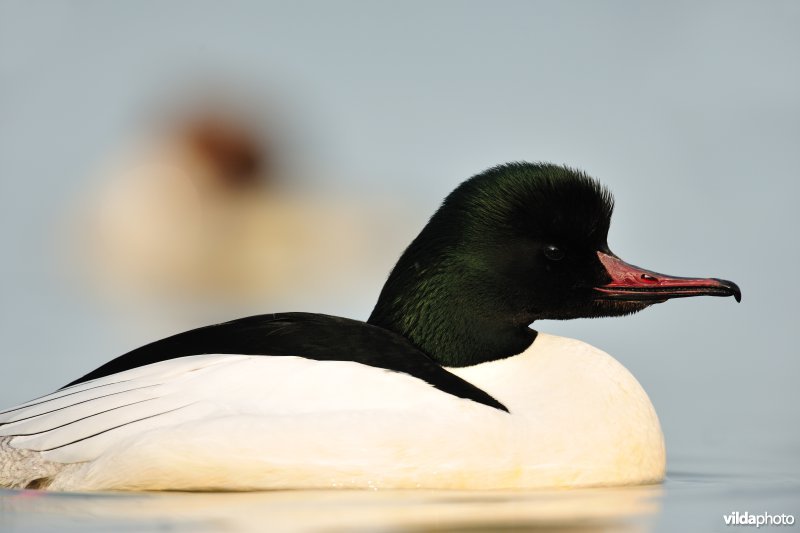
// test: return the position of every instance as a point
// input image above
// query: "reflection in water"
(618, 509)
(691, 501)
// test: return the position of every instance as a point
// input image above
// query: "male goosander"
(445, 386)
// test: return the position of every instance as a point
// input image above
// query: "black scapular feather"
(308, 335)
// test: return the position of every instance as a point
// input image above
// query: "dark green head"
(514, 244)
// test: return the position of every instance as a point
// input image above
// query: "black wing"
(308, 335)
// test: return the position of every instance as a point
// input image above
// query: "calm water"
(691, 500)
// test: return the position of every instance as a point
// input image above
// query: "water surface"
(692, 500)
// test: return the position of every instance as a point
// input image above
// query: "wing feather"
(10, 414)
(170, 396)
(36, 419)
(79, 422)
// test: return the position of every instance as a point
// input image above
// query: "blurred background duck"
(209, 213)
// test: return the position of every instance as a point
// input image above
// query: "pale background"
(688, 111)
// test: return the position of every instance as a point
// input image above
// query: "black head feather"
(483, 267)
(528, 199)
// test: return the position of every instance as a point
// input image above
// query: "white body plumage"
(235, 422)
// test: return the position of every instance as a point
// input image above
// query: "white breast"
(251, 422)
(580, 417)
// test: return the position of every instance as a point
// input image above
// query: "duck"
(445, 386)
(206, 212)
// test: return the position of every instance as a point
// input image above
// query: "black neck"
(446, 312)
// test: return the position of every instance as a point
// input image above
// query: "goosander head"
(517, 243)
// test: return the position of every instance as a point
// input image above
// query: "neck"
(446, 314)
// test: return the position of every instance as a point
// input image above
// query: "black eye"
(553, 253)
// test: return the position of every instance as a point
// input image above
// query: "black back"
(312, 336)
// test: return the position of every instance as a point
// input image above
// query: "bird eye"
(553, 253)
